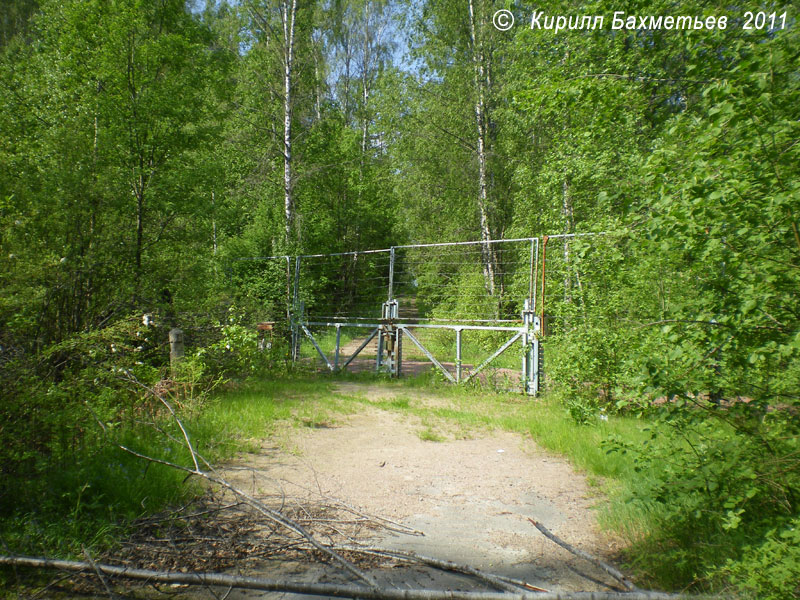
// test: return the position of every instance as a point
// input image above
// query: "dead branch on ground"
(586, 556)
(506, 584)
(318, 589)
(213, 477)
(511, 588)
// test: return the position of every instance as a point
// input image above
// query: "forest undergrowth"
(673, 485)
(223, 165)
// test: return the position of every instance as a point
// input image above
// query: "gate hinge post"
(530, 345)
(388, 339)
(297, 317)
(338, 348)
(458, 331)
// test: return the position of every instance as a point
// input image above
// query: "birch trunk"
(566, 209)
(288, 16)
(480, 81)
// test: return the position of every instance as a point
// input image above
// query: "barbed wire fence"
(453, 304)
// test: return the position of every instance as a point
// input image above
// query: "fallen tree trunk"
(315, 589)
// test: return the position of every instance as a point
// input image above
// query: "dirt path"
(471, 497)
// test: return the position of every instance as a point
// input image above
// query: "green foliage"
(143, 156)
(770, 570)
(715, 481)
(235, 352)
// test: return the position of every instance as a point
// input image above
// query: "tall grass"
(89, 500)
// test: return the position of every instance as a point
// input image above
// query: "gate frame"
(391, 330)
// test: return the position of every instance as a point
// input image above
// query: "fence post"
(176, 349)
(338, 347)
(530, 345)
(388, 337)
(458, 354)
(398, 353)
(379, 356)
(297, 309)
(391, 274)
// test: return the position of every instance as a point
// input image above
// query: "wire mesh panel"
(470, 281)
(463, 354)
(459, 306)
(350, 284)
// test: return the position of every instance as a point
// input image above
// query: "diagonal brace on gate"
(428, 354)
(361, 347)
(316, 345)
(335, 367)
(500, 350)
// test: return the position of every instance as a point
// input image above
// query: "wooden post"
(175, 349)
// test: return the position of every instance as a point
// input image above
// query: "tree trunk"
(365, 71)
(288, 16)
(569, 218)
(481, 120)
(137, 271)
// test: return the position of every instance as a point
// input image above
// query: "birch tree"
(277, 81)
(109, 120)
(454, 112)
(482, 88)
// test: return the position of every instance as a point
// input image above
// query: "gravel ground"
(471, 498)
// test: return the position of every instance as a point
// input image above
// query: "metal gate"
(466, 301)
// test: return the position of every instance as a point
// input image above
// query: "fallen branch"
(505, 584)
(262, 509)
(318, 589)
(586, 556)
(251, 501)
(387, 524)
(392, 525)
(100, 575)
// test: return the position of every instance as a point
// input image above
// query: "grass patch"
(99, 489)
(429, 435)
(544, 418)
(90, 503)
(326, 339)
(401, 404)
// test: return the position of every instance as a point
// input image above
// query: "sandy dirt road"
(471, 495)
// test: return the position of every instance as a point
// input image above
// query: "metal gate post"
(338, 346)
(530, 345)
(458, 354)
(398, 352)
(297, 336)
(387, 337)
(391, 274)
(297, 311)
(379, 357)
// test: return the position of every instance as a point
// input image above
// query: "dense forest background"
(145, 145)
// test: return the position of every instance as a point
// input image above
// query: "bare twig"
(261, 508)
(505, 584)
(386, 523)
(586, 556)
(251, 501)
(174, 416)
(224, 597)
(176, 514)
(100, 575)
